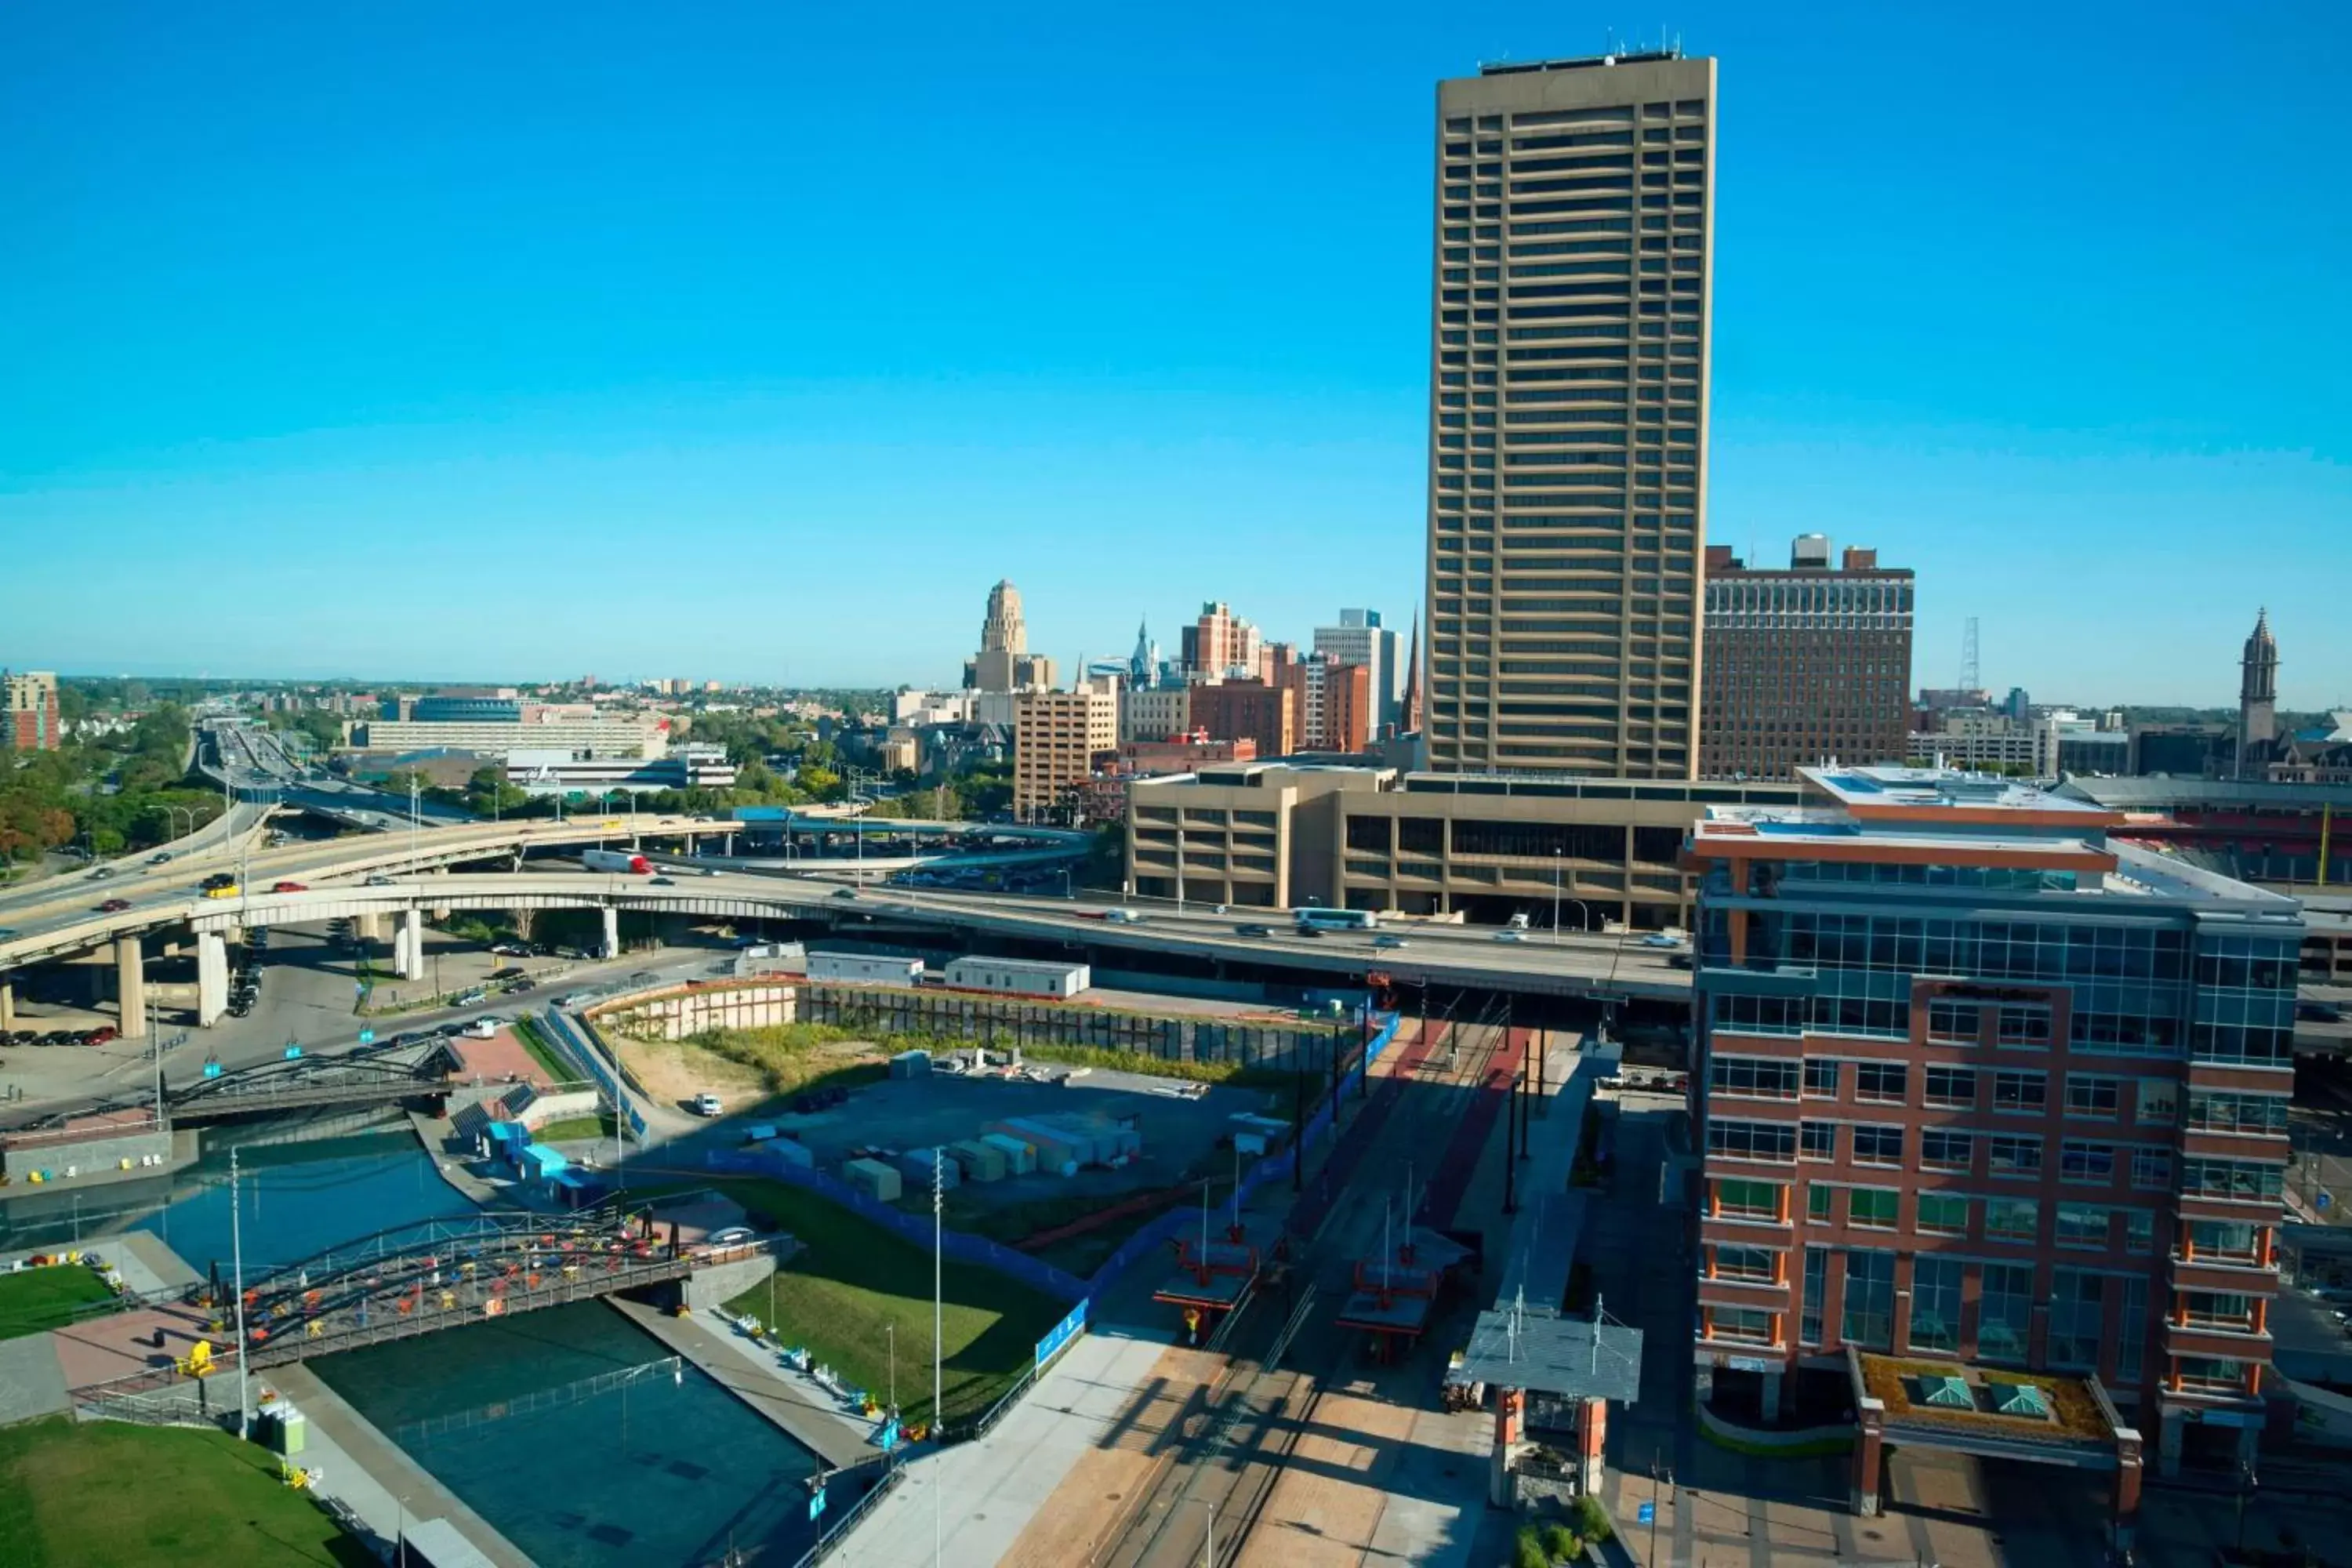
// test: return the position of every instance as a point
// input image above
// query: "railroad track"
(1211, 1490)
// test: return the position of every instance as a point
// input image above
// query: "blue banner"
(1061, 1333)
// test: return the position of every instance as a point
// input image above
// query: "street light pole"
(236, 1270)
(1555, 897)
(938, 1402)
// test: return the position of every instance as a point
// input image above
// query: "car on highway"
(161, 857)
(844, 892)
(1665, 939)
(1123, 916)
(113, 905)
(2313, 1011)
(1388, 943)
(378, 880)
(101, 874)
(506, 971)
(663, 882)
(1252, 930)
(1510, 933)
(509, 950)
(289, 888)
(1312, 934)
(707, 1105)
(474, 998)
(450, 1030)
(7, 932)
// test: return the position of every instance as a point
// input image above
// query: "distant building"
(1221, 646)
(1004, 662)
(579, 737)
(450, 708)
(1332, 701)
(30, 700)
(1804, 665)
(1056, 736)
(1154, 712)
(1248, 710)
(2183, 750)
(2257, 698)
(1359, 638)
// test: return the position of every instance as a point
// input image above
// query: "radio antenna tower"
(1969, 676)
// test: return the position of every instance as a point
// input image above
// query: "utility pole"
(939, 1398)
(236, 1270)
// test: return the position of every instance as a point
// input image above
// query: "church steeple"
(2257, 697)
(1411, 717)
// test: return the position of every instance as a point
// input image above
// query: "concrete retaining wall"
(550, 1108)
(710, 1288)
(85, 1157)
(682, 1014)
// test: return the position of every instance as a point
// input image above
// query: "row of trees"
(109, 793)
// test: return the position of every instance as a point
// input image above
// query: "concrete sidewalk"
(751, 1376)
(988, 1492)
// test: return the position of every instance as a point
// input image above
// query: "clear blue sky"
(756, 341)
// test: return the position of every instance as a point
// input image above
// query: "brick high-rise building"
(1221, 644)
(1248, 710)
(1805, 666)
(29, 702)
(1981, 1083)
(1569, 414)
(1056, 737)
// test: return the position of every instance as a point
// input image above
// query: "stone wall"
(680, 1014)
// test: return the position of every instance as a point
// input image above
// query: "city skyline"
(292, 389)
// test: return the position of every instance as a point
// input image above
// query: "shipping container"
(916, 1167)
(875, 1179)
(1020, 1159)
(980, 1161)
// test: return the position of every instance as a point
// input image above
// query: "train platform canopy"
(1423, 1248)
(1543, 1249)
(1567, 1358)
(1220, 1292)
(1398, 1314)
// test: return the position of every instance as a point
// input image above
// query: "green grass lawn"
(110, 1495)
(570, 1128)
(855, 1282)
(35, 1299)
(526, 1029)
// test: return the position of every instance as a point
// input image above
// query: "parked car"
(707, 1105)
(100, 1035)
(505, 971)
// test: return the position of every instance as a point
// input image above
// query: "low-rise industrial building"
(1019, 977)
(865, 968)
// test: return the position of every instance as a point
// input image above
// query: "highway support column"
(131, 986)
(212, 978)
(408, 945)
(611, 931)
(7, 1004)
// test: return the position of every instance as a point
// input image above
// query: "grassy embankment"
(858, 1292)
(108, 1495)
(34, 1301)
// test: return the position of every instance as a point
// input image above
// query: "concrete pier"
(750, 1374)
(368, 1472)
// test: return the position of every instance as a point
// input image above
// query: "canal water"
(584, 1442)
(573, 1432)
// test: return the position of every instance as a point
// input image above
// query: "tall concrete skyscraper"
(1568, 415)
(1004, 662)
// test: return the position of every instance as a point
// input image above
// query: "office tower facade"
(30, 698)
(1981, 1080)
(1568, 415)
(1805, 666)
(1248, 710)
(1056, 736)
(1220, 646)
(1359, 638)
(1004, 662)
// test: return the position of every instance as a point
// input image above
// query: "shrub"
(1561, 1542)
(1529, 1552)
(1594, 1518)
